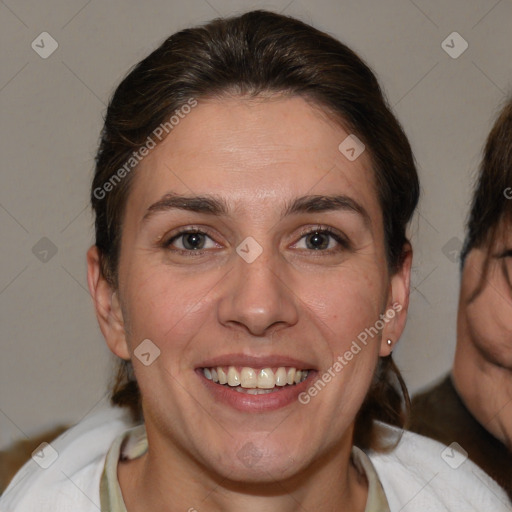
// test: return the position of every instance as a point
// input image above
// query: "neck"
(485, 388)
(167, 479)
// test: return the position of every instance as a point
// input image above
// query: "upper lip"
(256, 361)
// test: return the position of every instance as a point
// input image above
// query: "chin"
(260, 472)
(260, 463)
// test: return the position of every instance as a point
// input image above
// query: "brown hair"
(492, 199)
(257, 53)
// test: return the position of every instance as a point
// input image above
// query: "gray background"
(54, 364)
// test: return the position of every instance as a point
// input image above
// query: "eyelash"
(326, 230)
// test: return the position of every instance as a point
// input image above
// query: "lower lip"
(286, 395)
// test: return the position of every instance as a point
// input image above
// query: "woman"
(251, 270)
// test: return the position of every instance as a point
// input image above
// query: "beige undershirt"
(133, 443)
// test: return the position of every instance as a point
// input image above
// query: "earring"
(389, 342)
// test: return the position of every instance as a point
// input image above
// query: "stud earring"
(389, 342)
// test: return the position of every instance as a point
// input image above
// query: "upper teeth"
(250, 378)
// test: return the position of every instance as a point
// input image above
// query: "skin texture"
(292, 300)
(482, 370)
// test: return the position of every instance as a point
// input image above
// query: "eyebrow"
(217, 206)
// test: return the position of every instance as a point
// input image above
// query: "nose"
(257, 297)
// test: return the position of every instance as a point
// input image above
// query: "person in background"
(472, 406)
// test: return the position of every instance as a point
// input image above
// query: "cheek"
(167, 308)
(345, 311)
(347, 302)
(348, 310)
(490, 320)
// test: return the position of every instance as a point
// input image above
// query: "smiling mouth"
(255, 381)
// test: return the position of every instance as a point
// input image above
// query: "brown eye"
(193, 241)
(189, 240)
(317, 241)
(324, 240)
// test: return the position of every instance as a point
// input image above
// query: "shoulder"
(422, 474)
(66, 474)
(431, 398)
(437, 412)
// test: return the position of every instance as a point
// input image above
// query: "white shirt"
(419, 475)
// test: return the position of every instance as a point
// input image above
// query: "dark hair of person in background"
(492, 199)
(260, 52)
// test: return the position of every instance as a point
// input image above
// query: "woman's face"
(254, 287)
(489, 314)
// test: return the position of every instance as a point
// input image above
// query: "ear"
(398, 303)
(107, 306)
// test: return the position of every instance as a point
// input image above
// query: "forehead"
(255, 152)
